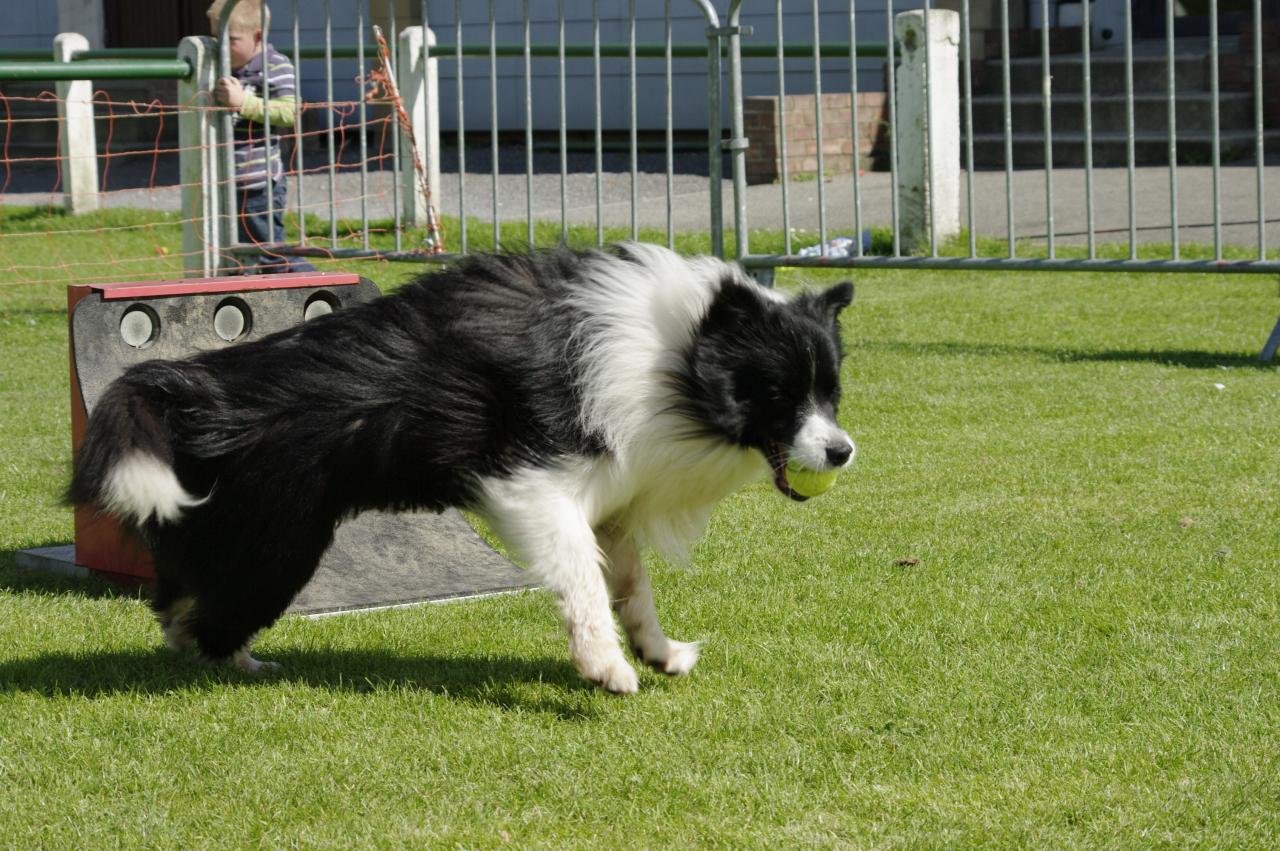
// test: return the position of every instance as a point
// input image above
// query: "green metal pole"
(155, 69)
(651, 50)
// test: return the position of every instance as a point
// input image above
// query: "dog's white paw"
(670, 657)
(242, 661)
(621, 679)
(681, 657)
(609, 671)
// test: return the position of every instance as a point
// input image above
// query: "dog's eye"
(779, 395)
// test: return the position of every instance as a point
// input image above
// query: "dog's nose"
(838, 453)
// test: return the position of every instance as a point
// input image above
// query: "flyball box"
(377, 558)
(114, 326)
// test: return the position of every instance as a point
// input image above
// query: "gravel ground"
(129, 176)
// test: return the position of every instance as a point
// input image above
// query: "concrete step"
(1194, 112)
(1110, 149)
(1106, 74)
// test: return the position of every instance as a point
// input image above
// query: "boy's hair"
(245, 17)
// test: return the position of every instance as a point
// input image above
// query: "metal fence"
(863, 54)
(1047, 255)
(730, 49)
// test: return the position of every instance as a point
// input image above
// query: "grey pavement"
(1237, 207)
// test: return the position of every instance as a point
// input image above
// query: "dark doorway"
(1192, 17)
(153, 23)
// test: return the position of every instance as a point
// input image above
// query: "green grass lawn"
(1043, 609)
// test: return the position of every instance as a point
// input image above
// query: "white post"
(923, 179)
(422, 103)
(199, 164)
(76, 143)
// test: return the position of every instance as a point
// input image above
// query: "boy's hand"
(228, 92)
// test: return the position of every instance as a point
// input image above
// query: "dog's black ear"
(826, 305)
(837, 298)
(735, 302)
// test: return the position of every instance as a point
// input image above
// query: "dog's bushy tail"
(125, 464)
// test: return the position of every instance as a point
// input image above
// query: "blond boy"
(242, 92)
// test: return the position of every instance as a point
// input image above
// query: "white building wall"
(689, 106)
(28, 25)
(35, 24)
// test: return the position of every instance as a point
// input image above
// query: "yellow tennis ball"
(810, 482)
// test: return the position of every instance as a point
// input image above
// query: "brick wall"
(763, 117)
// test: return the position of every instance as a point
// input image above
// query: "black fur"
(754, 363)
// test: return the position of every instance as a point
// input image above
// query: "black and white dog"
(587, 405)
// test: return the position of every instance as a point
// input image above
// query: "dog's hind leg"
(553, 536)
(633, 601)
(172, 605)
(175, 623)
(229, 613)
(243, 586)
(224, 638)
(222, 643)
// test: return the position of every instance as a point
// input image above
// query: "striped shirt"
(250, 150)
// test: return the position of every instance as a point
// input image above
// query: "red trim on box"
(214, 286)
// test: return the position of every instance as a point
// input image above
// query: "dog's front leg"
(633, 601)
(556, 541)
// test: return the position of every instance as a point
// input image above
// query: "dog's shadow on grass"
(1187, 358)
(502, 681)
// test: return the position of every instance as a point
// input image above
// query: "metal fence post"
(927, 112)
(421, 95)
(738, 143)
(715, 156)
(198, 162)
(228, 232)
(76, 143)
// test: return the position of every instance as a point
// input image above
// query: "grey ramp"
(382, 559)
(376, 560)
